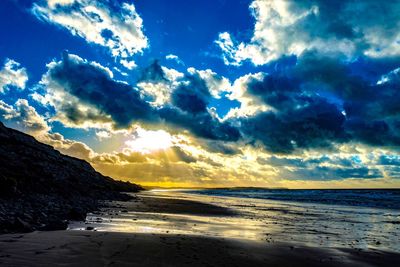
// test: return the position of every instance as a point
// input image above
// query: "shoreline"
(188, 244)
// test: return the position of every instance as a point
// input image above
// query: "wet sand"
(191, 243)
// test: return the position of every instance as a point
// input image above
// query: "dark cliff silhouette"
(40, 188)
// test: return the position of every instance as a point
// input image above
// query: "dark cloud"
(278, 91)
(315, 123)
(393, 172)
(282, 162)
(188, 110)
(322, 100)
(331, 71)
(316, 103)
(372, 108)
(220, 147)
(94, 86)
(300, 119)
(183, 155)
(331, 173)
(192, 96)
(153, 73)
(329, 22)
(77, 116)
(202, 124)
(389, 160)
(312, 169)
(312, 162)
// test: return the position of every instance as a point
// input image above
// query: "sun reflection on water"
(260, 220)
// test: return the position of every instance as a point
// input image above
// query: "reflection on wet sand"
(177, 212)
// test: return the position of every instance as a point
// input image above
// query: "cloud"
(156, 83)
(82, 91)
(69, 147)
(183, 99)
(371, 107)
(153, 73)
(291, 27)
(7, 111)
(201, 124)
(325, 167)
(111, 24)
(128, 64)
(192, 96)
(12, 75)
(103, 135)
(315, 102)
(24, 116)
(84, 94)
(327, 173)
(249, 105)
(295, 118)
(223, 148)
(182, 155)
(315, 126)
(215, 83)
(389, 160)
(189, 161)
(174, 58)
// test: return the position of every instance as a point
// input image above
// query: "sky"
(186, 93)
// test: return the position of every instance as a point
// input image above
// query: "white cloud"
(393, 76)
(69, 147)
(216, 84)
(12, 74)
(290, 27)
(103, 135)
(172, 75)
(160, 92)
(25, 116)
(174, 58)
(128, 64)
(249, 104)
(117, 27)
(7, 111)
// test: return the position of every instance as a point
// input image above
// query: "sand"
(100, 248)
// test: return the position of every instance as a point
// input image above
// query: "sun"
(149, 141)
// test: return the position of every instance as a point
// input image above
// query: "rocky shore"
(41, 189)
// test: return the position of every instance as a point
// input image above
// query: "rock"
(77, 215)
(55, 225)
(22, 226)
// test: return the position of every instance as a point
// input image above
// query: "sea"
(372, 198)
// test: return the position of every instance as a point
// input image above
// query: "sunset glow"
(149, 141)
(297, 94)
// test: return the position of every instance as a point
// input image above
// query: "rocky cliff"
(40, 188)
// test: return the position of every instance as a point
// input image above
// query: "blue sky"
(248, 82)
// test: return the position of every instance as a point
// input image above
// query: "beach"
(174, 228)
